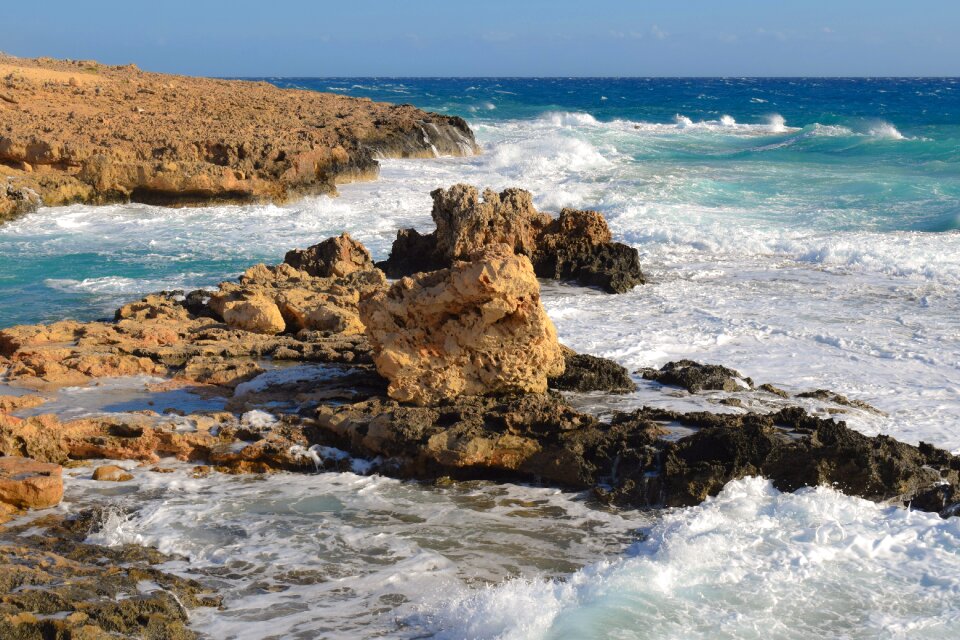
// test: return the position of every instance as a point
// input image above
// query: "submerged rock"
(585, 373)
(696, 377)
(112, 473)
(576, 246)
(475, 328)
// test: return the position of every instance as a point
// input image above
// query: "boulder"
(111, 473)
(585, 373)
(258, 314)
(475, 328)
(29, 484)
(695, 377)
(576, 246)
(332, 258)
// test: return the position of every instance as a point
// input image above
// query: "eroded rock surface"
(79, 131)
(584, 373)
(475, 328)
(54, 585)
(333, 258)
(696, 377)
(576, 246)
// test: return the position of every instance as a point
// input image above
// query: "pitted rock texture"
(576, 246)
(584, 373)
(475, 328)
(79, 131)
(333, 258)
(696, 377)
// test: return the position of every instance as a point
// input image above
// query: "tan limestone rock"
(476, 328)
(29, 484)
(258, 314)
(111, 473)
(334, 257)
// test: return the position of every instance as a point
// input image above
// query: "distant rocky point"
(80, 131)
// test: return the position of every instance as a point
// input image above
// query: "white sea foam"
(752, 563)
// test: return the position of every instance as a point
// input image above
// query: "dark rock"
(769, 388)
(695, 377)
(590, 373)
(825, 395)
(575, 247)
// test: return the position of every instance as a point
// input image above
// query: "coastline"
(78, 131)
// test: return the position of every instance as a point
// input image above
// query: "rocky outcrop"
(626, 460)
(29, 484)
(111, 473)
(475, 328)
(55, 585)
(696, 377)
(86, 132)
(577, 246)
(584, 373)
(332, 258)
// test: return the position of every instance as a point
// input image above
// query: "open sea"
(803, 231)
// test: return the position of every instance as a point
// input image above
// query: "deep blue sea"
(803, 231)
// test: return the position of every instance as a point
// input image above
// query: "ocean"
(803, 231)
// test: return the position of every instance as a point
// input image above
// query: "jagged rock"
(55, 585)
(475, 328)
(584, 373)
(333, 258)
(539, 437)
(576, 246)
(29, 484)
(111, 473)
(696, 377)
(826, 395)
(72, 136)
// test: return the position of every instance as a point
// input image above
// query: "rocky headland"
(453, 371)
(79, 131)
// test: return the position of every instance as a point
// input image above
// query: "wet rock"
(333, 258)
(825, 395)
(589, 373)
(769, 388)
(475, 328)
(29, 484)
(56, 586)
(111, 473)
(696, 377)
(576, 246)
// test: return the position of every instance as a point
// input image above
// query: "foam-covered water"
(806, 233)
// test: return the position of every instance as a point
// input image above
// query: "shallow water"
(815, 250)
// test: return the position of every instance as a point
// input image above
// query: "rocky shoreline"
(79, 131)
(453, 371)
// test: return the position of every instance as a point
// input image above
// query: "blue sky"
(496, 37)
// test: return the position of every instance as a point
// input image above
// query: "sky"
(303, 38)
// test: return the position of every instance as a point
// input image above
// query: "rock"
(825, 395)
(538, 437)
(332, 258)
(29, 484)
(576, 246)
(55, 585)
(206, 140)
(769, 388)
(258, 314)
(476, 328)
(696, 377)
(589, 373)
(111, 473)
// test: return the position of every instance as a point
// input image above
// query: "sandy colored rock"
(111, 473)
(332, 258)
(258, 314)
(29, 484)
(476, 328)
(85, 132)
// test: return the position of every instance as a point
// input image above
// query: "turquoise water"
(804, 232)
(784, 154)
